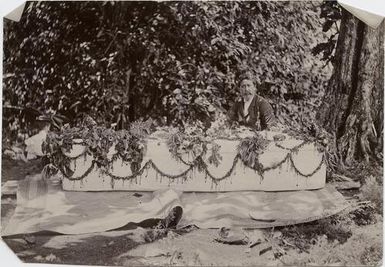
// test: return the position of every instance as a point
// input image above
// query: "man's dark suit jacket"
(261, 114)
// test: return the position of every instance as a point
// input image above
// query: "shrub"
(372, 191)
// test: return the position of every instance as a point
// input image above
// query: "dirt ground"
(340, 240)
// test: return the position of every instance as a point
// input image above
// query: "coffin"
(289, 164)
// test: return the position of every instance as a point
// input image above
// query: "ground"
(352, 238)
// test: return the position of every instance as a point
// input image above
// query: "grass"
(351, 238)
(363, 248)
(372, 191)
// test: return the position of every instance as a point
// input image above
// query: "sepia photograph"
(192, 133)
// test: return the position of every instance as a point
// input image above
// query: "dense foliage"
(331, 13)
(179, 61)
(128, 145)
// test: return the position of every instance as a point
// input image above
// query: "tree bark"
(352, 107)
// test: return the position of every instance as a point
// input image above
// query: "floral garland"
(149, 164)
(312, 133)
(297, 171)
(193, 142)
(296, 148)
(249, 150)
(215, 179)
(129, 144)
(199, 164)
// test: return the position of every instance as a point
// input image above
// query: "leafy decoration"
(215, 158)
(191, 141)
(130, 146)
(249, 150)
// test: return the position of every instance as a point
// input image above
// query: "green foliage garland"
(215, 158)
(257, 142)
(130, 146)
(192, 141)
(249, 150)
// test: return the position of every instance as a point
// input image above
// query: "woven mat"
(44, 206)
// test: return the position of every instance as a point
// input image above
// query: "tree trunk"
(353, 103)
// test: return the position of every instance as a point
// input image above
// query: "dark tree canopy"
(124, 61)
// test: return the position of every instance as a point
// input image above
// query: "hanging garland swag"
(200, 164)
(130, 147)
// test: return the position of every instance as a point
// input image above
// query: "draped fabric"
(44, 206)
(290, 164)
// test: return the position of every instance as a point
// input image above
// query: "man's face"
(247, 88)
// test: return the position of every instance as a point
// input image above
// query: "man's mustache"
(247, 92)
